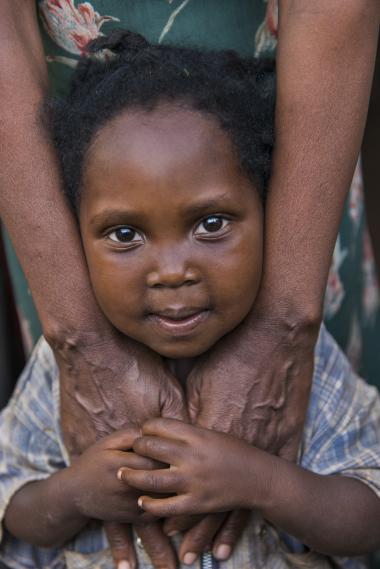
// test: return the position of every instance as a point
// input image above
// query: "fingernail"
(172, 533)
(140, 504)
(189, 558)
(123, 565)
(120, 477)
(223, 552)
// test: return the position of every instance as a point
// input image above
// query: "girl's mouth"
(180, 323)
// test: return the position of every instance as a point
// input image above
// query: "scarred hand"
(107, 386)
(253, 384)
(256, 381)
(111, 385)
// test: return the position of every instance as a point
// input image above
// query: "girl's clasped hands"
(168, 468)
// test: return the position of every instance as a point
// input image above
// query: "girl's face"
(172, 229)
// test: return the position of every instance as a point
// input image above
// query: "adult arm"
(91, 355)
(256, 382)
(325, 64)
(105, 380)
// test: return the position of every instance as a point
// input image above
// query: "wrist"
(70, 341)
(262, 475)
(288, 314)
(64, 492)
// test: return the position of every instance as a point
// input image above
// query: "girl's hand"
(209, 471)
(97, 492)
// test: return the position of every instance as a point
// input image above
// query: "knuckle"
(197, 541)
(157, 551)
(171, 509)
(117, 538)
(144, 445)
(151, 481)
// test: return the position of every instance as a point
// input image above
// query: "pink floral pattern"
(266, 35)
(70, 27)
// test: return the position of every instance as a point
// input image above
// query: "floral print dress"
(250, 27)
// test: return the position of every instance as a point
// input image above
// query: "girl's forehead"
(162, 162)
(166, 121)
(164, 137)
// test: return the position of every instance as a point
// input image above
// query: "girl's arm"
(42, 513)
(214, 472)
(49, 512)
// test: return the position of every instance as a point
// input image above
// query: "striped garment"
(341, 436)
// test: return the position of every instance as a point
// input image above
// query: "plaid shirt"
(341, 436)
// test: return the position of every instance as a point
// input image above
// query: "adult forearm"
(32, 206)
(325, 64)
(55, 518)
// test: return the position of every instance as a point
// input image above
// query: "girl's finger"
(133, 460)
(120, 440)
(157, 481)
(164, 450)
(164, 508)
(167, 428)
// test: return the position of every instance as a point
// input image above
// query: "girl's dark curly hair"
(124, 71)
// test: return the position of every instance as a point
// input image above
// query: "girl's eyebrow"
(111, 216)
(208, 205)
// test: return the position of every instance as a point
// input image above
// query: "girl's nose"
(172, 271)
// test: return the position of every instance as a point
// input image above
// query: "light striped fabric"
(341, 436)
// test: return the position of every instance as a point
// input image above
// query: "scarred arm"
(256, 382)
(106, 381)
(259, 376)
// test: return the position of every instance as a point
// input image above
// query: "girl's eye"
(124, 235)
(211, 224)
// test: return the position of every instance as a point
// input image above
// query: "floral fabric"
(250, 27)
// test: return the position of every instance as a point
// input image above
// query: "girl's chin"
(177, 352)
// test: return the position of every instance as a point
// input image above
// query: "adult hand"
(107, 386)
(255, 385)
(156, 544)
(112, 385)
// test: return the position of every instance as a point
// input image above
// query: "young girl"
(166, 155)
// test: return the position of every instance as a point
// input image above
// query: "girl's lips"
(179, 326)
